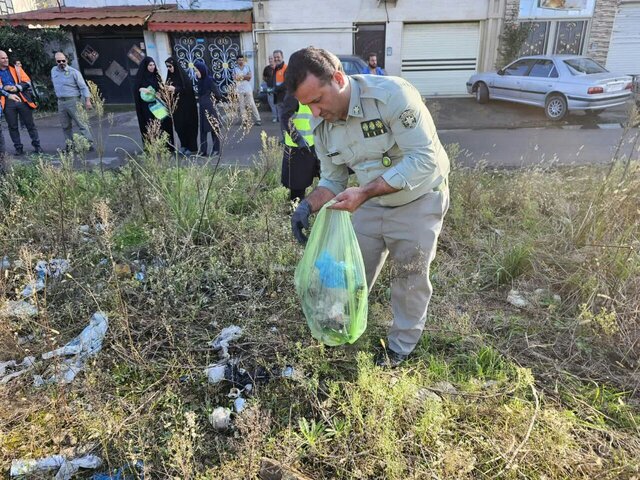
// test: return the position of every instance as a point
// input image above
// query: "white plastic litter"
(226, 336)
(220, 418)
(5, 264)
(215, 373)
(84, 346)
(26, 365)
(18, 309)
(66, 468)
(517, 300)
(54, 268)
(33, 287)
(239, 404)
(287, 372)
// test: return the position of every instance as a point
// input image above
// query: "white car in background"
(558, 83)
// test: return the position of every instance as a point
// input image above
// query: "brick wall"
(601, 27)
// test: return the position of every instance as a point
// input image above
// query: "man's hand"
(87, 104)
(15, 97)
(11, 88)
(300, 220)
(350, 199)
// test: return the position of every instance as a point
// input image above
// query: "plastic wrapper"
(330, 280)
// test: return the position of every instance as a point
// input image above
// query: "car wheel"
(595, 112)
(482, 93)
(555, 107)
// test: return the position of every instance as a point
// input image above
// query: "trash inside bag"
(330, 280)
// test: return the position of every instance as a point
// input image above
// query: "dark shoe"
(259, 123)
(202, 154)
(38, 150)
(19, 152)
(92, 148)
(390, 359)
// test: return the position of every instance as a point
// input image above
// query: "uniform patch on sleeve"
(408, 118)
(373, 128)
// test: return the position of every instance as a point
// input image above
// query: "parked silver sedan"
(558, 83)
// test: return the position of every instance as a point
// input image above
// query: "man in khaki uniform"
(380, 128)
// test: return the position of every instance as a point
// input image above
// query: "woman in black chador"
(146, 77)
(207, 92)
(185, 116)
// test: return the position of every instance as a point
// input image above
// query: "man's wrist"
(376, 188)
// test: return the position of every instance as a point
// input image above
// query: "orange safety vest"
(24, 78)
(280, 74)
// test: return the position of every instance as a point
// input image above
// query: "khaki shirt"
(386, 118)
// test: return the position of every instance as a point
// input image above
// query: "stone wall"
(601, 27)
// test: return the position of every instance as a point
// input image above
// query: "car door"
(507, 85)
(541, 79)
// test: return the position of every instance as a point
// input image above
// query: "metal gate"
(219, 52)
(111, 59)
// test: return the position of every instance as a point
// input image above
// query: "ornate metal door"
(219, 52)
(111, 59)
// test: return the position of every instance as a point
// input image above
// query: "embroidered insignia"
(386, 161)
(356, 110)
(373, 128)
(408, 118)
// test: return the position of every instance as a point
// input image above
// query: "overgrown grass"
(492, 391)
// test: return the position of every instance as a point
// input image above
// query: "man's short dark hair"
(372, 54)
(310, 60)
(280, 52)
(240, 55)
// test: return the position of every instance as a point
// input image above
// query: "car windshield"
(584, 66)
(351, 67)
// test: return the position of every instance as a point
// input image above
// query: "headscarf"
(145, 78)
(205, 82)
(178, 77)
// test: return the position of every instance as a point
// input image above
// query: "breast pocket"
(378, 145)
(344, 156)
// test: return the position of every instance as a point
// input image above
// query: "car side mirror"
(501, 71)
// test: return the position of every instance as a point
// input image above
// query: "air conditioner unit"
(381, 3)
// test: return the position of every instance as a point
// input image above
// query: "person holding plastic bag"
(330, 280)
(149, 107)
(381, 129)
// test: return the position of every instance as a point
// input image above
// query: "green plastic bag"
(330, 280)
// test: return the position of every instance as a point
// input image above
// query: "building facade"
(433, 44)
(606, 30)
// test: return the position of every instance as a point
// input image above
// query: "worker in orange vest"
(18, 103)
(279, 89)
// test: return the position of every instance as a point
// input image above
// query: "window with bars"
(555, 37)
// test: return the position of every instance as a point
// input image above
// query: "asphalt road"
(542, 146)
(498, 134)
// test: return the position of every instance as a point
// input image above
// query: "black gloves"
(300, 220)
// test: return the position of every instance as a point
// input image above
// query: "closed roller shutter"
(439, 58)
(624, 49)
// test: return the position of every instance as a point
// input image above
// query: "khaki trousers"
(68, 113)
(248, 103)
(408, 234)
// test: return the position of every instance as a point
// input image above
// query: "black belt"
(68, 98)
